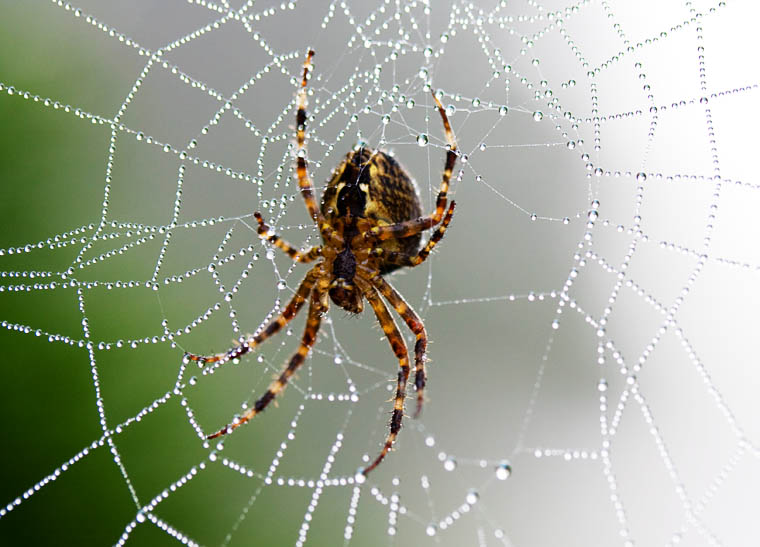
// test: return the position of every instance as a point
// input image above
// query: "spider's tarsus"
(219, 433)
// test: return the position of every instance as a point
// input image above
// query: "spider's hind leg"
(415, 226)
(287, 248)
(401, 259)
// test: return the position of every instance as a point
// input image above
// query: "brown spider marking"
(371, 224)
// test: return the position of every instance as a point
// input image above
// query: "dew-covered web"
(593, 309)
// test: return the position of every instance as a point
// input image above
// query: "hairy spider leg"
(304, 182)
(287, 248)
(278, 385)
(402, 259)
(287, 315)
(415, 324)
(399, 348)
(415, 226)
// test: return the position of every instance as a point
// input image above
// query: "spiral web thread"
(382, 92)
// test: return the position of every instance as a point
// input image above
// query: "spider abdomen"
(371, 184)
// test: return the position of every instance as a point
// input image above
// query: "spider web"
(592, 309)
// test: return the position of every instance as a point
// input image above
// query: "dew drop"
(472, 497)
(422, 140)
(602, 385)
(281, 284)
(641, 177)
(503, 110)
(431, 530)
(428, 52)
(450, 464)
(410, 103)
(386, 119)
(538, 115)
(503, 471)
(476, 102)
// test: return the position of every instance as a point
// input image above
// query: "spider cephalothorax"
(371, 222)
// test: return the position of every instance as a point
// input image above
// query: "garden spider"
(371, 223)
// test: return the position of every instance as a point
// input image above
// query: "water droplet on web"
(360, 477)
(410, 103)
(476, 102)
(555, 324)
(337, 359)
(428, 52)
(602, 385)
(570, 145)
(641, 177)
(450, 110)
(140, 517)
(444, 37)
(472, 497)
(386, 119)
(431, 530)
(503, 110)
(538, 115)
(422, 140)
(503, 471)
(449, 464)
(281, 284)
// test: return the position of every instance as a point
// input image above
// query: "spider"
(370, 221)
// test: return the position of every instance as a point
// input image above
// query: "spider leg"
(415, 226)
(401, 259)
(290, 311)
(415, 324)
(278, 385)
(304, 182)
(399, 348)
(287, 248)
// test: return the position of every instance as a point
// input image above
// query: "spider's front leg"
(287, 315)
(415, 324)
(277, 386)
(399, 348)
